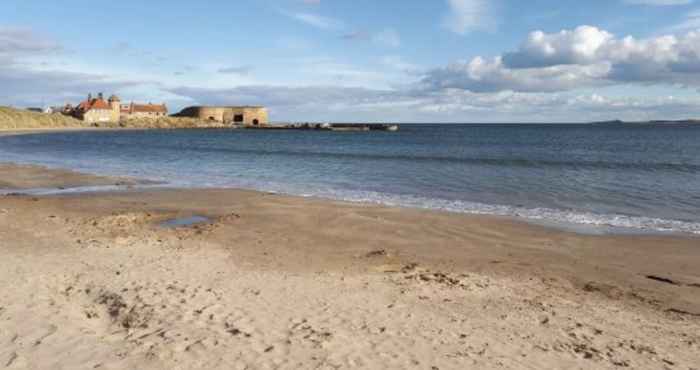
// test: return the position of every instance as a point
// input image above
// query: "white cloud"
(579, 46)
(317, 21)
(25, 86)
(482, 75)
(583, 57)
(466, 16)
(22, 41)
(27, 78)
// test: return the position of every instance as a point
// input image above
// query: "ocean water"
(635, 177)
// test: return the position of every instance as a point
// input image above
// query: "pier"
(340, 127)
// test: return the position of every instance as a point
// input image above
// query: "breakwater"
(354, 127)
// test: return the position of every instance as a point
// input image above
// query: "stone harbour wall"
(245, 116)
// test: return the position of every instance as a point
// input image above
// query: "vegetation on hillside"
(16, 119)
(11, 118)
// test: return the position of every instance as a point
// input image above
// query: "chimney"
(90, 97)
(99, 96)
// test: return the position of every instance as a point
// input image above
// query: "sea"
(590, 178)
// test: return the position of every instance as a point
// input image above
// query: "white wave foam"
(536, 214)
(643, 224)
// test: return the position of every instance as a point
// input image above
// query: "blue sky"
(363, 60)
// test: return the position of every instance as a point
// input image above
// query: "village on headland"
(98, 111)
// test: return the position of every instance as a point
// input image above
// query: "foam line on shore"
(565, 219)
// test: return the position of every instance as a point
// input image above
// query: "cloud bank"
(582, 57)
(28, 83)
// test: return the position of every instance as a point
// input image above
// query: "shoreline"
(99, 280)
(132, 183)
(580, 221)
(15, 131)
(69, 185)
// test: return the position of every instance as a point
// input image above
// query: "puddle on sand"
(185, 221)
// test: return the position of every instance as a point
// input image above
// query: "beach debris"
(12, 359)
(666, 280)
(389, 268)
(409, 267)
(138, 316)
(607, 290)
(15, 194)
(662, 279)
(682, 312)
(51, 331)
(113, 302)
(377, 253)
(306, 332)
(235, 331)
(413, 272)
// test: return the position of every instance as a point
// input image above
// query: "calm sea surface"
(645, 178)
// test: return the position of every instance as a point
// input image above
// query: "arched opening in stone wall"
(238, 118)
(256, 122)
(212, 118)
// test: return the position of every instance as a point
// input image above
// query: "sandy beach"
(340, 185)
(98, 281)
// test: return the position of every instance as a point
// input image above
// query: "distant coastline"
(653, 122)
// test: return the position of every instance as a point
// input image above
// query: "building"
(54, 109)
(240, 116)
(96, 110)
(142, 111)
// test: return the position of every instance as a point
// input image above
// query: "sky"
(362, 60)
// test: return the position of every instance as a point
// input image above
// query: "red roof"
(94, 104)
(145, 108)
(155, 108)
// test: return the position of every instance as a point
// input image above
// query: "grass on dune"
(16, 119)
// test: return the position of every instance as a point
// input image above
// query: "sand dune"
(17, 119)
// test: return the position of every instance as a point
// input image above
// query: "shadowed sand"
(268, 281)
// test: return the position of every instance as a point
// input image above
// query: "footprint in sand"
(51, 331)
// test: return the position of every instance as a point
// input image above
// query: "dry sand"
(94, 281)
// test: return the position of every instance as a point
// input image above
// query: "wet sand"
(42, 130)
(97, 281)
(18, 177)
